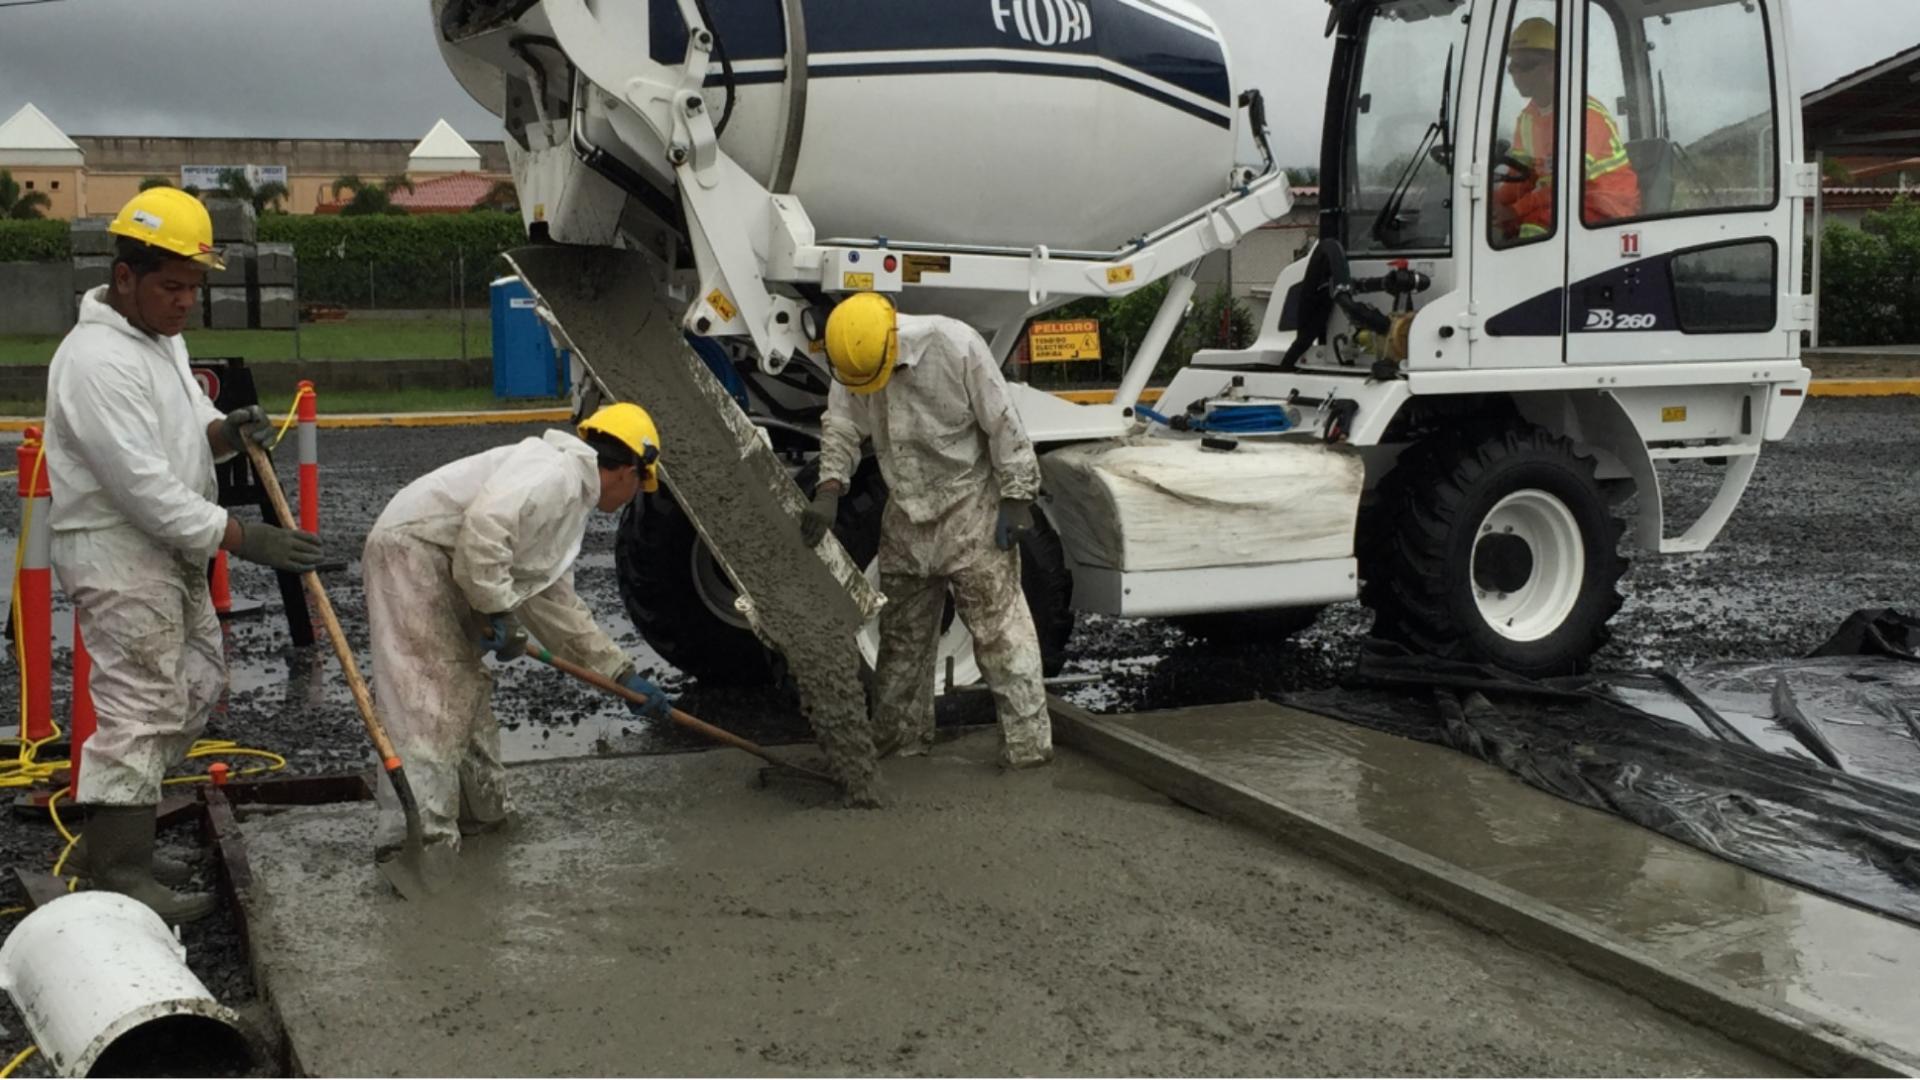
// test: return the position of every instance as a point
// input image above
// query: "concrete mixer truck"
(1558, 264)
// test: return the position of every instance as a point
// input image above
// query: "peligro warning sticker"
(851, 280)
(1119, 275)
(721, 306)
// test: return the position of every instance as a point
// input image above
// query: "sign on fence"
(1063, 341)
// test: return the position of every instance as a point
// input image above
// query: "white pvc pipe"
(92, 967)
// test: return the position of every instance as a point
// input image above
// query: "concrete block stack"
(273, 279)
(234, 230)
(92, 256)
(256, 290)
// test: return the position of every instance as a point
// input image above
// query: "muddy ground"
(1827, 528)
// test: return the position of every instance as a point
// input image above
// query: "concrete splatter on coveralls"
(498, 531)
(951, 446)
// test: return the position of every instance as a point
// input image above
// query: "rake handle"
(263, 468)
(692, 723)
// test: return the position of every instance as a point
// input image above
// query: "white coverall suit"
(494, 532)
(135, 518)
(951, 446)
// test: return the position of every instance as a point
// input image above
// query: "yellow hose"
(19, 1059)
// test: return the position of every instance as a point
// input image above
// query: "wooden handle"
(263, 469)
(692, 723)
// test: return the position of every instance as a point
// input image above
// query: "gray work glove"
(817, 520)
(504, 636)
(658, 701)
(292, 550)
(250, 424)
(1015, 521)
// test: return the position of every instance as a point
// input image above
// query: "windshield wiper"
(1436, 141)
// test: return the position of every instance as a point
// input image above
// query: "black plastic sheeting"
(1806, 770)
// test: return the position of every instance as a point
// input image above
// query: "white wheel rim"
(956, 643)
(1528, 563)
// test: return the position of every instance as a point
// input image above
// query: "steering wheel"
(1508, 168)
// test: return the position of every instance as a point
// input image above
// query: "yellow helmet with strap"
(632, 427)
(863, 342)
(173, 221)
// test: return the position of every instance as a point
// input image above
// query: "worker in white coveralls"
(456, 563)
(131, 445)
(961, 479)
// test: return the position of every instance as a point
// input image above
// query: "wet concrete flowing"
(663, 916)
(737, 493)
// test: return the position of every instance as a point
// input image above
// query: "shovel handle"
(263, 468)
(692, 723)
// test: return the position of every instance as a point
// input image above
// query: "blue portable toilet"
(524, 361)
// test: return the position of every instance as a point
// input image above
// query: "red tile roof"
(450, 194)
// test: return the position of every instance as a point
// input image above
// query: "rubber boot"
(166, 871)
(120, 847)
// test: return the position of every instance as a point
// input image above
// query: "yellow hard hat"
(1535, 33)
(631, 426)
(863, 341)
(171, 220)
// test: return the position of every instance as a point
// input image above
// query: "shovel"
(418, 871)
(691, 723)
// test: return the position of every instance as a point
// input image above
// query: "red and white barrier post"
(308, 415)
(33, 611)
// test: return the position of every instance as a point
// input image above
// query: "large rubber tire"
(668, 586)
(1272, 626)
(1499, 549)
(1048, 583)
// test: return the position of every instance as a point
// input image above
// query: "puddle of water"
(1681, 904)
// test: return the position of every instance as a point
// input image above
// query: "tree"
(21, 205)
(370, 197)
(501, 196)
(236, 184)
(151, 182)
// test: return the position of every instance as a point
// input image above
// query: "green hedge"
(394, 261)
(1870, 283)
(34, 241)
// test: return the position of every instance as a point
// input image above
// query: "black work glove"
(1015, 521)
(504, 636)
(817, 520)
(250, 424)
(292, 550)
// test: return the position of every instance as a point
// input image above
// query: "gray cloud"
(369, 68)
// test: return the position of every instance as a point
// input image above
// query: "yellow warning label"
(914, 265)
(851, 280)
(1063, 341)
(1119, 275)
(721, 306)
(539, 211)
(1673, 414)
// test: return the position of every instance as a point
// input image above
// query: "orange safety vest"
(1612, 188)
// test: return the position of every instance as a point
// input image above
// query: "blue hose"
(1246, 420)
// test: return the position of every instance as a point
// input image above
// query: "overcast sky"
(369, 68)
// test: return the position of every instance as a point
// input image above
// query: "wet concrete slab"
(662, 915)
(1843, 966)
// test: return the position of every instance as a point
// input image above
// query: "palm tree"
(370, 197)
(19, 205)
(235, 183)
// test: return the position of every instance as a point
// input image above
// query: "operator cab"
(1539, 183)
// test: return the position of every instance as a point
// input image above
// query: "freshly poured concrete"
(663, 915)
(1859, 970)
